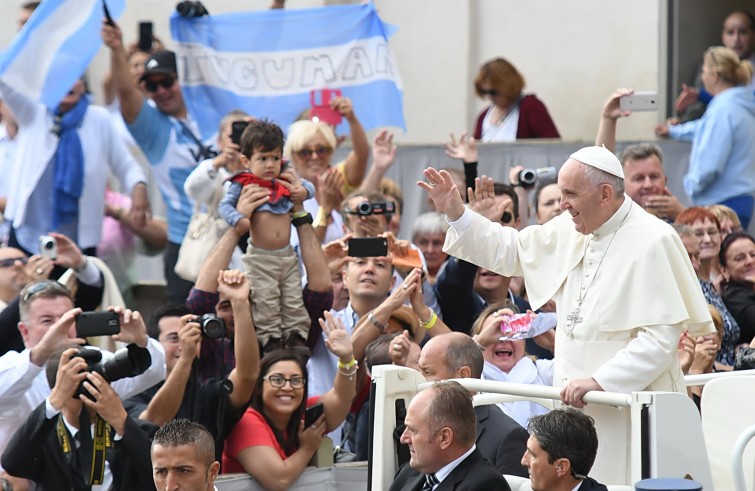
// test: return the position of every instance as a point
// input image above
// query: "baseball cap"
(160, 63)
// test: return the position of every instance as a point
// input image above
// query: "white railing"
(702, 379)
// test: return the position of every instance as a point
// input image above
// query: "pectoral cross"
(573, 319)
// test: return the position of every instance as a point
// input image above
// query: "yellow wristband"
(347, 365)
(321, 219)
(430, 322)
(299, 214)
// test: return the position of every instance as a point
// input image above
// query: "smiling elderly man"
(622, 304)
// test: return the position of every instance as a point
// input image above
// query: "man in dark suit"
(440, 431)
(500, 439)
(59, 449)
(561, 450)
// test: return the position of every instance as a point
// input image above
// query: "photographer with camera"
(80, 436)
(217, 403)
(47, 325)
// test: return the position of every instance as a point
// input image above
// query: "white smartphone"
(639, 101)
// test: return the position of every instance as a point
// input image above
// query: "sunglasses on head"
(165, 83)
(43, 287)
(7, 263)
(306, 153)
(491, 92)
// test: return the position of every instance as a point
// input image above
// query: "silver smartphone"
(639, 101)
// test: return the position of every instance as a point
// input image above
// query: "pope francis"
(621, 279)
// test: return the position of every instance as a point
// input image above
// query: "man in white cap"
(621, 279)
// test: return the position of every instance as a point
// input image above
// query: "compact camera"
(366, 208)
(48, 247)
(529, 177)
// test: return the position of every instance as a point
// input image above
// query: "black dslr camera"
(366, 208)
(126, 362)
(212, 326)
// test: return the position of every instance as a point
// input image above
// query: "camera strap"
(92, 454)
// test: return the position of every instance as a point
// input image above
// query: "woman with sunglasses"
(271, 441)
(310, 146)
(511, 115)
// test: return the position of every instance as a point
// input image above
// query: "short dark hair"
(567, 434)
(261, 135)
(179, 432)
(462, 351)
(500, 189)
(640, 151)
(744, 12)
(30, 6)
(377, 352)
(452, 407)
(172, 310)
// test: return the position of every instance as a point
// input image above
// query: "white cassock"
(638, 291)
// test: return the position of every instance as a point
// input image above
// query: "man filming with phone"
(47, 325)
(80, 435)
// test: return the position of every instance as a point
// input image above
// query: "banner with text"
(267, 63)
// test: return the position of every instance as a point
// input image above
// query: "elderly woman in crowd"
(505, 361)
(705, 227)
(271, 442)
(309, 147)
(511, 115)
(429, 234)
(737, 259)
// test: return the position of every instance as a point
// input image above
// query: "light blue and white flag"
(267, 63)
(55, 47)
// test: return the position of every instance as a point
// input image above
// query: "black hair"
(728, 242)
(171, 310)
(261, 135)
(567, 434)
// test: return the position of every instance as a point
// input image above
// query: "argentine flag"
(267, 63)
(55, 47)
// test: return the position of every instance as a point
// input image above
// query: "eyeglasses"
(507, 217)
(11, 261)
(490, 92)
(306, 153)
(43, 287)
(279, 381)
(165, 83)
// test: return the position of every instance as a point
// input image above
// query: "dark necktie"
(430, 482)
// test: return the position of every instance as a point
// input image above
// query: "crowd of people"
(283, 315)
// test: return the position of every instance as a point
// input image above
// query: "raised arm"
(337, 400)
(611, 113)
(165, 404)
(130, 97)
(234, 286)
(315, 264)
(356, 161)
(442, 190)
(383, 157)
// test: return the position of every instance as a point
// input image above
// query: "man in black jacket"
(500, 439)
(561, 451)
(440, 432)
(67, 439)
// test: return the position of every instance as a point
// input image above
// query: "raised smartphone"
(639, 101)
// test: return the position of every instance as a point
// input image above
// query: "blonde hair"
(728, 65)
(300, 132)
(723, 212)
(718, 321)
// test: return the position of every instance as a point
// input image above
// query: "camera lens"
(527, 178)
(212, 326)
(48, 244)
(364, 208)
